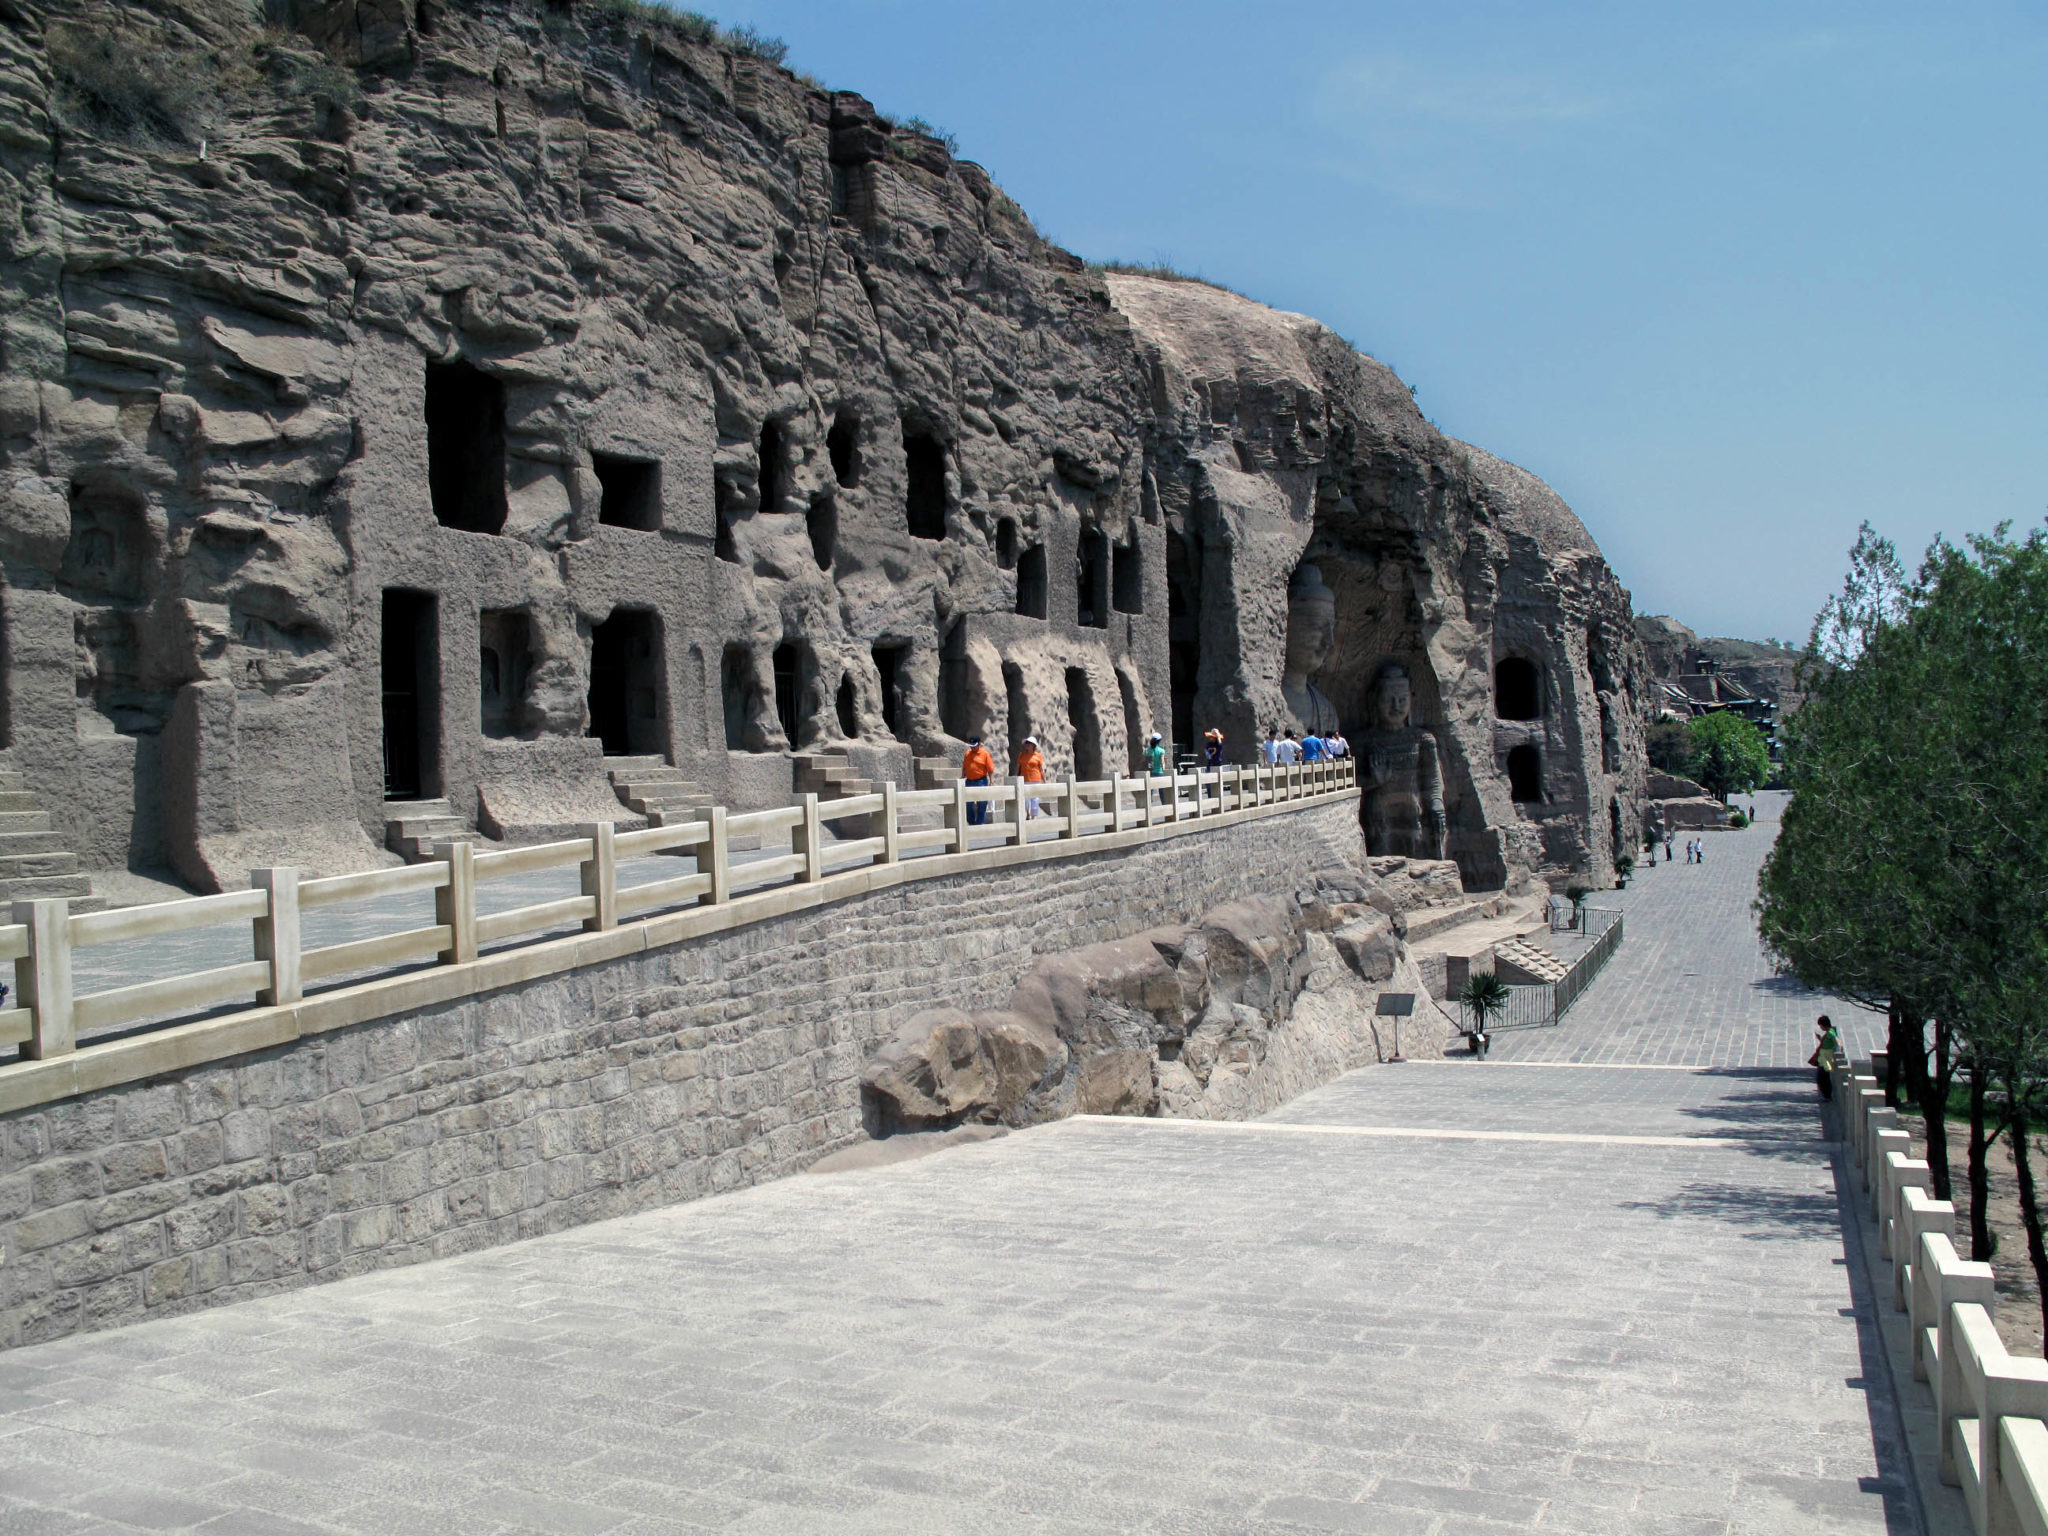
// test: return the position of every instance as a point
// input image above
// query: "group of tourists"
(978, 766)
(1278, 751)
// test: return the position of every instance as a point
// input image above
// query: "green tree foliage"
(1728, 754)
(1669, 744)
(1907, 872)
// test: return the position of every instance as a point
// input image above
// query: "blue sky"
(1730, 278)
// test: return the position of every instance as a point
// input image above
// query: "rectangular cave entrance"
(924, 486)
(1019, 709)
(1184, 635)
(631, 491)
(736, 693)
(465, 410)
(411, 688)
(1031, 582)
(789, 683)
(1127, 574)
(957, 715)
(626, 684)
(1091, 580)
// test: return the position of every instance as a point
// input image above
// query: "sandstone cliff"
(429, 402)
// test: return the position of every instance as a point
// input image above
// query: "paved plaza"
(1595, 1285)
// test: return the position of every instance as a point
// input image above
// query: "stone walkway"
(1542, 1295)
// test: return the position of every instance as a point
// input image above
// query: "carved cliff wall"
(429, 401)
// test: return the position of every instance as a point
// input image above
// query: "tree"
(1728, 754)
(1669, 745)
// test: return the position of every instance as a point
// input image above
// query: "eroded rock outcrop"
(1233, 1014)
(431, 401)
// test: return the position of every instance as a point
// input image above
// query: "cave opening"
(774, 465)
(630, 491)
(822, 523)
(1127, 574)
(1087, 726)
(1006, 542)
(842, 447)
(924, 500)
(849, 718)
(889, 658)
(1134, 723)
(1517, 689)
(736, 693)
(411, 694)
(505, 656)
(788, 666)
(465, 412)
(956, 705)
(1183, 636)
(1525, 774)
(625, 683)
(723, 544)
(1018, 709)
(1031, 582)
(1091, 579)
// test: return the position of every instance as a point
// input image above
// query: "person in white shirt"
(1269, 749)
(1287, 752)
(1336, 746)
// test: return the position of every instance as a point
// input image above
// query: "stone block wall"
(662, 1077)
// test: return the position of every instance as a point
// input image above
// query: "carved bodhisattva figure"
(1311, 632)
(1399, 772)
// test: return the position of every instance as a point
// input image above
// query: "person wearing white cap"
(1031, 769)
(1155, 756)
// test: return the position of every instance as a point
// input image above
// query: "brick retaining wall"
(703, 1067)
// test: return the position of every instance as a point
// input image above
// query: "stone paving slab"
(1137, 1326)
(1690, 986)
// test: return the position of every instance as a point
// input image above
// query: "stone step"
(15, 843)
(644, 763)
(24, 821)
(939, 772)
(77, 888)
(36, 866)
(15, 799)
(413, 827)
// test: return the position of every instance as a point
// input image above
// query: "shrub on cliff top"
(122, 85)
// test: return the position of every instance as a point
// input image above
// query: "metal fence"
(1538, 1006)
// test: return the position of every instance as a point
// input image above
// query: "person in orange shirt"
(977, 767)
(1031, 769)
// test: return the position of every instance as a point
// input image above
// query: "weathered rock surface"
(389, 402)
(1228, 1016)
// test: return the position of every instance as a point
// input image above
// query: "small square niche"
(632, 491)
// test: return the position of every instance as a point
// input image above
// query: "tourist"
(977, 767)
(1312, 749)
(1668, 859)
(1269, 749)
(1031, 769)
(1155, 756)
(1336, 746)
(1287, 751)
(1824, 1056)
(1212, 748)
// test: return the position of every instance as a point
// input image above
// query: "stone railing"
(1989, 1406)
(463, 952)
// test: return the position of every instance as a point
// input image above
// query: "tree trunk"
(1895, 1050)
(1930, 1091)
(1980, 1173)
(2030, 1208)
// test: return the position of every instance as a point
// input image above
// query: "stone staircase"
(33, 859)
(829, 776)
(940, 772)
(412, 827)
(649, 787)
(1523, 964)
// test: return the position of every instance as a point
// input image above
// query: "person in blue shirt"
(1311, 748)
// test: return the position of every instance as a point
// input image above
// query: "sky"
(1732, 278)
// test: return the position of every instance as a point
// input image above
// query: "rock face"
(1763, 669)
(427, 403)
(1221, 1018)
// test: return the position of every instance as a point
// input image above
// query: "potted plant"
(1624, 866)
(1576, 895)
(1485, 998)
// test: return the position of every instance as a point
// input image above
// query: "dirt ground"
(2017, 1310)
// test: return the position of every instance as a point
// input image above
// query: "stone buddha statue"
(1399, 772)
(1311, 632)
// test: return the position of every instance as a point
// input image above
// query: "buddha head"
(1311, 623)
(1391, 697)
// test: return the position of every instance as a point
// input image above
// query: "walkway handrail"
(44, 934)
(1989, 1405)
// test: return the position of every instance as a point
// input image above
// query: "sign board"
(1396, 1005)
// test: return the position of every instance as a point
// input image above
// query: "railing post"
(1073, 807)
(42, 978)
(1173, 797)
(891, 849)
(1116, 802)
(455, 902)
(1198, 792)
(963, 828)
(807, 837)
(601, 876)
(718, 851)
(277, 933)
(1018, 830)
